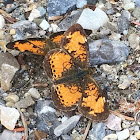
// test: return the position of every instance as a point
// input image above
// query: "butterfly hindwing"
(93, 103)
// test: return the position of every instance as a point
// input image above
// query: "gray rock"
(81, 3)
(26, 102)
(9, 117)
(10, 135)
(124, 21)
(69, 20)
(42, 11)
(34, 93)
(47, 122)
(44, 106)
(97, 132)
(136, 13)
(60, 7)
(67, 125)
(107, 51)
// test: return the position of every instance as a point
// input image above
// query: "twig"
(123, 117)
(87, 130)
(40, 85)
(24, 123)
(18, 129)
(134, 22)
(7, 16)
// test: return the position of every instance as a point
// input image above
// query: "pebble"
(132, 137)
(42, 11)
(124, 134)
(107, 51)
(59, 7)
(12, 98)
(114, 36)
(98, 17)
(9, 117)
(113, 122)
(44, 106)
(110, 137)
(67, 125)
(10, 104)
(11, 135)
(2, 22)
(40, 135)
(44, 25)
(138, 135)
(7, 74)
(26, 102)
(134, 40)
(35, 13)
(69, 20)
(34, 93)
(47, 122)
(136, 13)
(128, 5)
(123, 22)
(97, 132)
(12, 32)
(124, 82)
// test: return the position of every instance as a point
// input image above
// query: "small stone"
(110, 137)
(124, 21)
(35, 13)
(7, 74)
(114, 36)
(137, 2)
(66, 126)
(136, 128)
(44, 25)
(124, 82)
(2, 22)
(134, 40)
(97, 132)
(107, 51)
(98, 17)
(40, 135)
(12, 98)
(12, 32)
(9, 117)
(129, 5)
(60, 7)
(124, 134)
(113, 122)
(11, 135)
(42, 11)
(26, 102)
(34, 93)
(10, 104)
(138, 135)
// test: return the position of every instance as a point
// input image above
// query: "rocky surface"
(114, 57)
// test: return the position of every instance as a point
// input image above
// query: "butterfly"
(39, 46)
(73, 87)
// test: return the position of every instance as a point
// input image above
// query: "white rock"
(110, 137)
(132, 137)
(7, 74)
(124, 82)
(122, 135)
(134, 41)
(44, 25)
(128, 5)
(67, 125)
(9, 117)
(114, 36)
(2, 22)
(9, 135)
(34, 14)
(12, 98)
(81, 3)
(92, 20)
(34, 93)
